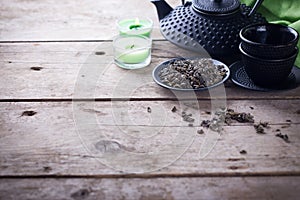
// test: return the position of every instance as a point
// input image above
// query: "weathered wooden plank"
(58, 70)
(157, 188)
(81, 20)
(57, 141)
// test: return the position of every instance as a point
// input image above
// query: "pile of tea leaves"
(192, 74)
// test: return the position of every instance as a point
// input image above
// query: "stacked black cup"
(268, 52)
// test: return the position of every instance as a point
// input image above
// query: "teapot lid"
(216, 6)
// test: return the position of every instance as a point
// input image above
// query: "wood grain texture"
(152, 189)
(47, 142)
(23, 20)
(55, 70)
(128, 144)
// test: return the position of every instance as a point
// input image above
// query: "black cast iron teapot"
(211, 24)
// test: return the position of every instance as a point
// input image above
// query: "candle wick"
(135, 26)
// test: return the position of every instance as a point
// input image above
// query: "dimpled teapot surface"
(214, 24)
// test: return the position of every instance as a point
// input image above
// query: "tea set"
(261, 55)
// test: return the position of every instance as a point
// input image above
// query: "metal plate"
(157, 69)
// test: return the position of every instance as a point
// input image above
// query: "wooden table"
(75, 126)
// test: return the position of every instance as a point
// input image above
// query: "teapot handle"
(255, 7)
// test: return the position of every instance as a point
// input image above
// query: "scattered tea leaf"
(259, 128)
(240, 117)
(36, 68)
(229, 115)
(200, 131)
(174, 109)
(283, 136)
(205, 123)
(215, 125)
(233, 167)
(28, 113)
(228, 120)
(187, 117)
(224, 115)
(99, 53)
(47, 168)
(243, 152)
(264, 124)
(288, 120)
(81, 194)
(149, 110)
(252, 108)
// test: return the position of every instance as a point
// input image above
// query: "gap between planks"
(68, 41)
(154, 176)
(141, 99)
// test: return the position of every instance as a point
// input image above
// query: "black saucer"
(240, 78)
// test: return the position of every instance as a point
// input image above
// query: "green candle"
(132, 51)
(135, 26)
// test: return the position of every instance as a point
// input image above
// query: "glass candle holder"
(132, 51)
(135, 26)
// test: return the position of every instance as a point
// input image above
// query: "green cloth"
(286, 12)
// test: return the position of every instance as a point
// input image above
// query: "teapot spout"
(162, 7)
